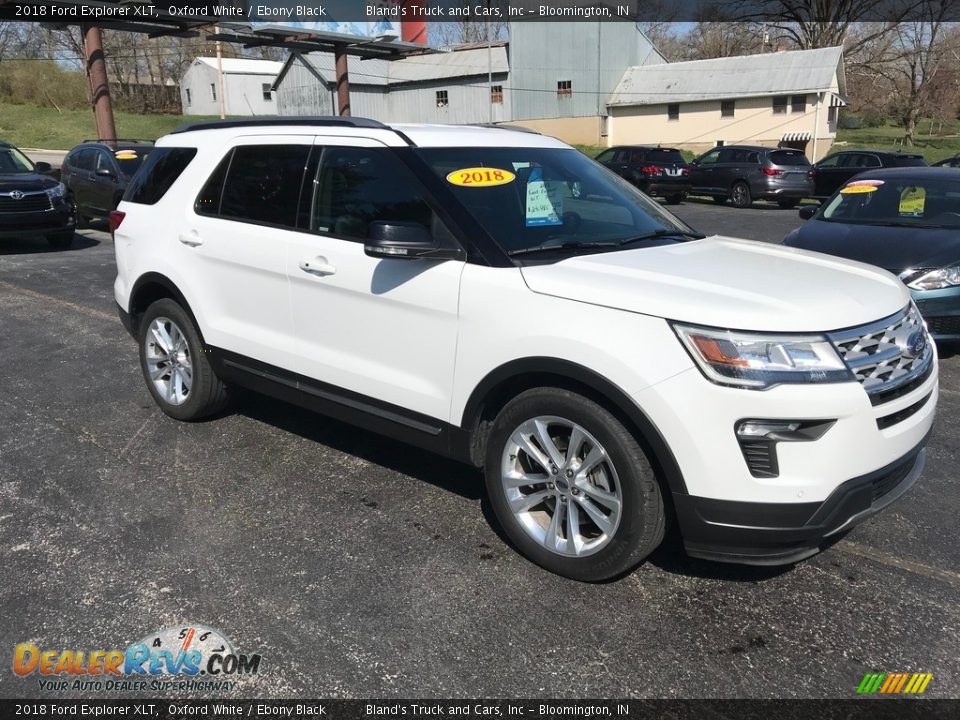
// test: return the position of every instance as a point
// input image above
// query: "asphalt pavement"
(360, 567)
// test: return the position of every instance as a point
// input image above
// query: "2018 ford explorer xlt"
(497, 297)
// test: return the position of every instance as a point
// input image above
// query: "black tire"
(674, 199)
(719, 199)
(788, 204)
(740, 195)
(207, 394)
(642, 516)
(61, 240)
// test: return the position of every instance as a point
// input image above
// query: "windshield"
(129, 160)
(923, 203)
(12, 161)
(541, 197)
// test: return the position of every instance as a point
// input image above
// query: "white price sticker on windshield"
(544, 201)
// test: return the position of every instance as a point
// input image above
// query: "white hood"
(728, 283)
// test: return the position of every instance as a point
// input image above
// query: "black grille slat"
(28, 203)
(883, 485)
(893, 418)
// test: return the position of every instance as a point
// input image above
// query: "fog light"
(758, 440)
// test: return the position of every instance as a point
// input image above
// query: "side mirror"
(43, 167)
(406, 241)
(807, 212)
(105, 172)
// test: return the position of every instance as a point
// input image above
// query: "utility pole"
(99, 86)
(343, 79)
(222, 91)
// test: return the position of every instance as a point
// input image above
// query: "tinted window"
(787, 157)
(208, 202)
(263, 184)
(357, 186)
(850, 160)
(14, 161)
(159, 172)
(911, 162)
(103, 162)
(924, 202)
(831, 161)
(709, 158)
(606, 156)
(665, 155)
(727, 156)
(85, 159)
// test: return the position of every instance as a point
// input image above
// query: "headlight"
(759, 361)
(935, 279)
(58, 190)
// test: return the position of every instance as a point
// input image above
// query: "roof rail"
(515, 128)
(264, 121)
(117, 140)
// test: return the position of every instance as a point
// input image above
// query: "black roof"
(641, 147)
(912, 172)
(884, 153)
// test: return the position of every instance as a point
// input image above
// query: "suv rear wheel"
(174, 364)
(740, 195)
(571, 487)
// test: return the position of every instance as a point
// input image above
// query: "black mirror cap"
(406, 241)
(807, 212)
(43, 167)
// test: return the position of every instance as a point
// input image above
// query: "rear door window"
(160, 170)
(263, 184)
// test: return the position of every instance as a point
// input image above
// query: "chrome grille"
(18, 202)
(887, 353)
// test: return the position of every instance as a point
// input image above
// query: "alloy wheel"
(168, 360)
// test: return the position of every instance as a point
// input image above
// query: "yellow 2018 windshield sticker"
(478, 177)
(126, 154)
(856, 189)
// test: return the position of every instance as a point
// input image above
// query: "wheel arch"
(509, 380)
(149, 288)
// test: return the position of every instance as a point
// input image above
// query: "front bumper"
(783, 533)
(941, 311)
(39, 223)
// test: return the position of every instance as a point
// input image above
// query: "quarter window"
(159, 171)
(357, 186)
(263, 182)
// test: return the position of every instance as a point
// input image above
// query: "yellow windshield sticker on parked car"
(125, 154)
(912, 201)
(478, 177)
(855, 189)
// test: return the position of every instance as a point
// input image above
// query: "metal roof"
(417, 68)
(245, 66)
(740, 76)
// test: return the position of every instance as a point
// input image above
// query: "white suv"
(495, 296)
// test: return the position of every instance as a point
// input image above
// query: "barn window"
(442, 100)
(188, 96)
(564, 88)
(727, 108)
(673, 111)
(496, 94)
(267, 95)
(213, 91)
(798, 103)
(832, 114)
(779, 104)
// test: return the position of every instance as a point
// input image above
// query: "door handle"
(317, 266)
(191, 239)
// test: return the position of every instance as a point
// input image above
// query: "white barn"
(247, 87)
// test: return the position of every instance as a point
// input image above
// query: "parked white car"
(497, 297)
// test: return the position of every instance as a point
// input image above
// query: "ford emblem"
(916, 344)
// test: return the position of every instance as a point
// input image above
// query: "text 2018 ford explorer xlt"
(497, 297)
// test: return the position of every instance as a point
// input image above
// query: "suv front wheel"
(175, 366)
(571, 487)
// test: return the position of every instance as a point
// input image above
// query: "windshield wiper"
(662, 233)
(562, 246)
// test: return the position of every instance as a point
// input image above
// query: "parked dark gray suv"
(744, 173)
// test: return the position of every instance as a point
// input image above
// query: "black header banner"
(306, 12)
(857, 709)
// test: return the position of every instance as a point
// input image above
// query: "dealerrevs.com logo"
(196, 657)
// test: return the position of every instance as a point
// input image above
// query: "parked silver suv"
(744, 173)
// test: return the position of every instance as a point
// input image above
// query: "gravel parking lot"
(359, 567)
